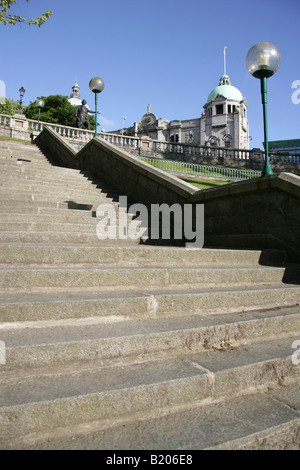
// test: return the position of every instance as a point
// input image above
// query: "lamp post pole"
(262, 61)
(96, 86)
(22, 92)
(39, 104)
(267, 170)
(96, 112)
(123, 119)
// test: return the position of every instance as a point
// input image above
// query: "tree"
(57, 110)
(7, 18)
(10, 107)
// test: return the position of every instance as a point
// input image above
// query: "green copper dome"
(225, 89)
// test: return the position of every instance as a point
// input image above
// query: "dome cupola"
(226, 90)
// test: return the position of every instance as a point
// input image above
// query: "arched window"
(214, 141)
(227, 140)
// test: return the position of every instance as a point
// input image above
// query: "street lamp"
(96, 86)
(123, 119)
(262, 61)
(22, 92)
(39, 104)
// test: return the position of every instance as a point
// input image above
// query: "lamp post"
(123, 119)
(262, 61)
(96, 86)
(22, 92)
(39, 104)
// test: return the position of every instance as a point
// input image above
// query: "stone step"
(87, 227)
(116, 344)
(9, 208)
(49, 279)
(23, 186)
(121, 305)
(61, 238)
(17, 172)
(112, 340)
(38, 403)
(56, 216)
(20, 206)
(44, 199)
(13, 211)
(14, 170)
(129, 256)
(51, 180)
(265, 420)
(94, 198)
(49, 173)
(40, 186)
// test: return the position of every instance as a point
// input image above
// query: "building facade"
(75, 98)
(223, 122)
(290, 146)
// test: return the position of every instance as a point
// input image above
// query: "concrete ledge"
(258, 213)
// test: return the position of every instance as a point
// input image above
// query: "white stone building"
(75, 98)
(223, 122)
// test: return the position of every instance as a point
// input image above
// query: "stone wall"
(259, 213)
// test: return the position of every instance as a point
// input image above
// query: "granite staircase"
(119, 345)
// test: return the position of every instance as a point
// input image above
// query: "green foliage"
(57, 110)
(6, 18)
(10, 107)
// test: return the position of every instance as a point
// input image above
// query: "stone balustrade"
(18, 126)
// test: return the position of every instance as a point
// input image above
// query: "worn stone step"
(11, 205)
(54, 175)
(44, 188)
(28, 306)
(44, 217)
(25, 185)
(265, 420)
(43, 226)
(57, 279)
(8, 209)
(63, 196)
(112, 339)
(18, 176)
(43, 198)
(61, 238)
(105, 336)
(82, 217)
(129, 256)
(23, 180)
(39, 403)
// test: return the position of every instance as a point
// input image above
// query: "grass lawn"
(205, 184)
(15, 140)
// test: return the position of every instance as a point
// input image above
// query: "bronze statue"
(82, 116)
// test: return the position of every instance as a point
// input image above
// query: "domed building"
(223, 123)
(75, 99)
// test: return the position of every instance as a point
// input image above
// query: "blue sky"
(167, 53)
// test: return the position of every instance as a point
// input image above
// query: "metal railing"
(196, 169)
